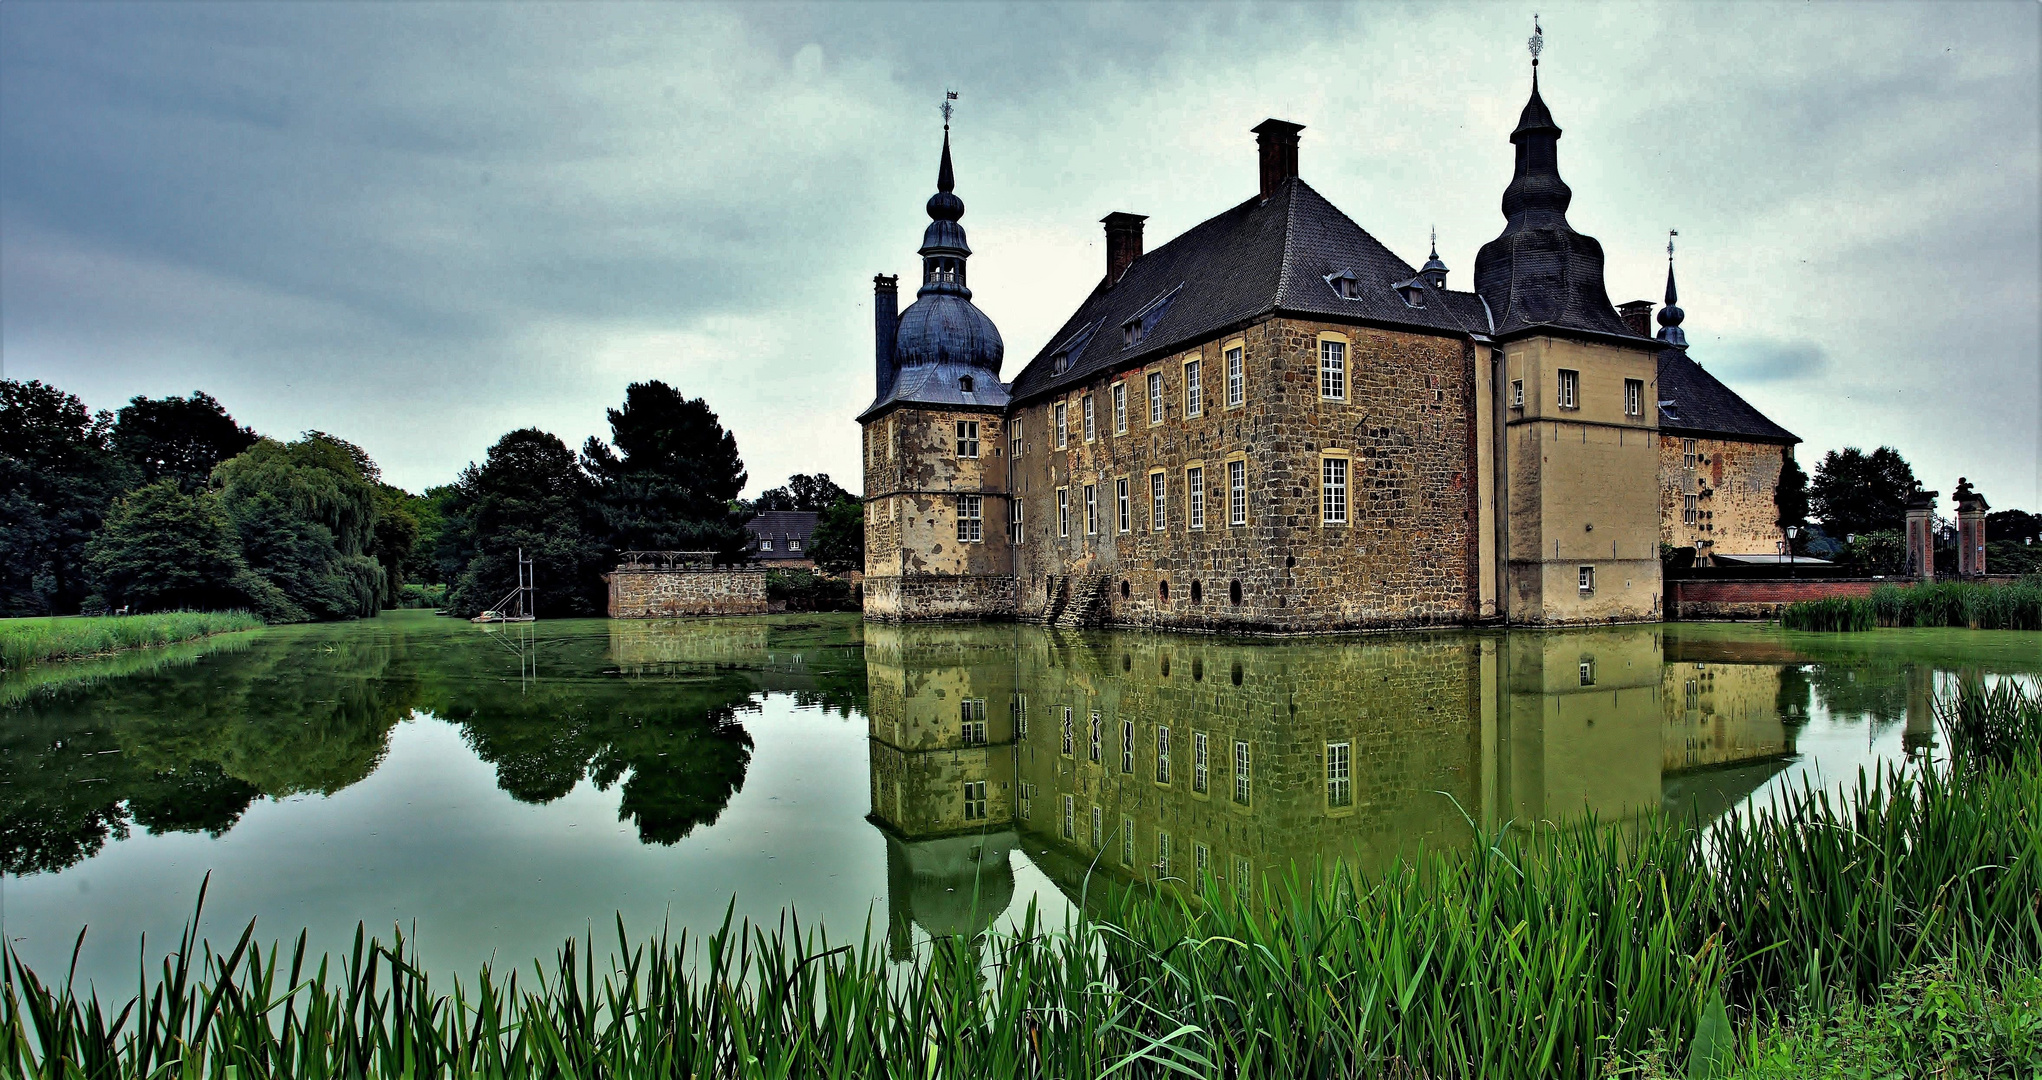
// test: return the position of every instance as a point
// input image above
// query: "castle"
(1272, 423)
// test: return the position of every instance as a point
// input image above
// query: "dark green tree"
(2013, 527)
(1791, 496)
(174, 438)
(802, 491)
(58, 477)
(307, 517)
(1856, 492)
(838, 544)
(670, 475)
(529, 493)
(164, 549)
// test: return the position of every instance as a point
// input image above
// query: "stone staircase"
(1081, 607)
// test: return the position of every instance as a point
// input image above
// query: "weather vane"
(1670, 234)
(948, 97)
(1537, 42)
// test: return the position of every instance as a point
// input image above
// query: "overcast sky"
(421, 226)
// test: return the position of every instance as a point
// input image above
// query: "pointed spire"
(946, 179)
(1434, 271)
(1671, 315)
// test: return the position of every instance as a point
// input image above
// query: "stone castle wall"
(1736, 487)
(916, 564)
(665, 594)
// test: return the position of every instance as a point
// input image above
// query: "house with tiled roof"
(1272, 422)
(781, 538)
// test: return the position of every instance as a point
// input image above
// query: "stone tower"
(1576, 452)
(935, 440)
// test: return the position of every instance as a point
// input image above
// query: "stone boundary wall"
(1758, 599)
(680, 593)
(939, 596)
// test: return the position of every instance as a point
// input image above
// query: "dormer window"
(1060, 363)
(965, 383)
(1412, 291)
(1345, 284)
(1130, 332)
(1138, 325)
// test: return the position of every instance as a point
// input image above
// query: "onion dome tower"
(1434, 271)
(1671, 315)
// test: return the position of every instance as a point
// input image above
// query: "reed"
(1542, 952)
(2017, 606)
(30, 641)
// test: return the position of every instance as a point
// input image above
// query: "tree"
(1856, 492)
(670, 479)
(1791, 495)
(2013, 527)
(529, 493)
(815, 493)
(307, 515)
(174, 438)
(58, 477)
(163, 549)
(838, 543)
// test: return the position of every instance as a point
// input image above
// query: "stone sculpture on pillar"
(1921, 535)
(1971, 510)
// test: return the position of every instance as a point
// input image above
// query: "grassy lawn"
(31, 641)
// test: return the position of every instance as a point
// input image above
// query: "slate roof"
(1693, 402)
(782, 526)
(1256, 259)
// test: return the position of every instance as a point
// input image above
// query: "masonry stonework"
(1734, 486)
(656, 594)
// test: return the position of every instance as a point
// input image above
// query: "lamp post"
(1792, 532)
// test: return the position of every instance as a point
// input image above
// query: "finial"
(1435, 241)
(1671, 316)
(1537, 43)
(1670, 234)
(948, 97)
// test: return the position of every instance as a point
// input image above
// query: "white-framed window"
(1587, 580)
(1333, 490)
(1690, 509)
(1244, 875)
(1162, 854)
(1027, 807)
(1634, 397)
(1126, 841)
(1091, 510)
(1014, 520)
(1155, 398)
(1070, 818)
(1569, 394)
(1339, 783)
(793, 544)
(1123, 507)
(1200, 762)
(1194, 497)
(1588, 671)
(1120, 408)
(970, 518)
(972, 721)
(967, 438)
(1687, 454)
(1194, 393)
(1059, 412)
(1237, 492)
(974, 800)
(1020, 711)
(1242, 788)
(1237, 378)
(765, 543)
(1333, 370)
(1201, 859)
(1014, 444)
(1091, 429)
(1127, 746)
(1098, 828)
(1158, 487)
(1162, 755)
(1063, 511)
(1067, 731)
(1096, 739)
(1517, 393)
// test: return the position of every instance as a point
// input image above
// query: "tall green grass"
(29, 641)
(1545, 952)
(2017, 606)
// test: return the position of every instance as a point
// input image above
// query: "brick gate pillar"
(1921, 537)
(1971, 508)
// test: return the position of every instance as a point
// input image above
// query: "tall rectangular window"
(1127, 746)
(1155, 398)
(1237, 493)
(1333, 491)
(1333, 370)
(1120, 408)
(1687, 454)
(1634, 397)
(1067, 731)
(1237, 378)
(967, 438)
(1162, 854)
(970, 518)
(1690, 509)
(1027, 807)
(1126, 841)
(1201, 859)
(1194, 497)
(1339, 784)
(974, 800)
(1020, 710)
(1014, 444)
(1241, 786)
(1517, 393)
(1063, 430)
(1070, 818)
(1244, 875)
(972, 721)
(1568, 395)
(1156, 507)
(1095, 738)
(1587, 580)
(1162, 755)
(1194, 393)
(1091, 432)
(1063, 511)
(1201, 763)
(1014, 520)
(1098, 828)
(1122, 507)
(1091, 510)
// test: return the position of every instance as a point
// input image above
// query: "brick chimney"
(1638, 316)
(885, 319)
(1123, 242)
(1278, 141)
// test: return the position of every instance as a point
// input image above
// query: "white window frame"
(1014, 443)
(1060, 414)
(1237, 378)
(1159, 500)
(1091, 425)
(1098, 734)
(765, 543)
(1634, 397)
(1244, 784)
(1091, 509)
(971, 722)
(1568, 393)
(967, 438)
(1339, 775)
(1162, 853)
(1201, 762)
(1070, 821)
(1687, 454)
(1126, 840)
(974, 800)
(1014, 529)
(1127, 747)
(1120, 408)
(1194, 497)
(971, 519)
(1237, 492)
(1332, 369)
(1155, 398)
(1098, 828)
(1123, 504)
(1162, 754)
(1587, 576)
(1333, 487)
(1063, 512)
(1517, 393)
(1068, 734)
(1587, 671)
(1194, 390)
(1690, 509)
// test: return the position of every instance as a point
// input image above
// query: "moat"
(496, 790)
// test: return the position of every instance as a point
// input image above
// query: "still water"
(495, 790)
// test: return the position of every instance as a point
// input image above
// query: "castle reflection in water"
(1170, 758)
